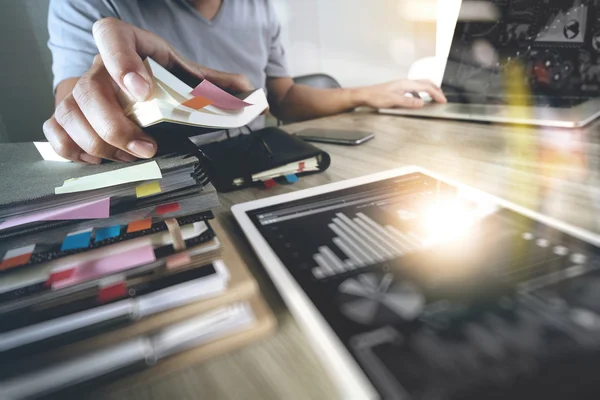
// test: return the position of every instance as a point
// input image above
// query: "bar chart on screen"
(364, 242)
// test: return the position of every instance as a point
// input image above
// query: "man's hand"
(89, 123)
(394, 94)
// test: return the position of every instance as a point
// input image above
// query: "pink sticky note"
(84, 210)
(89, 270)
(218, 96)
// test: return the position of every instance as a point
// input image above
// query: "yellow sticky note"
(147, 189)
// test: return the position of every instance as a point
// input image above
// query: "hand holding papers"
(206, 105)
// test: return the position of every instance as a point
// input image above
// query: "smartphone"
(337, 136)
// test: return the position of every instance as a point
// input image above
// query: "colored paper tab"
(58, 276)
(142, 172)
(84, 210)
(89, 270)
(113, 292)
(107, 233)
(270, 183)
(147, 189)
(77, 240)
(197, 102)
(141, 225)
(16, 257)
(218, 96)
(48, 153)
(301, 166)
(167, 208)
(291, 178)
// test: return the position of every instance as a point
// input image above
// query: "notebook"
(28, 182)
(264, 155)
(173, 101)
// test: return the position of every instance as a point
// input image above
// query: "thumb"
(118, 45)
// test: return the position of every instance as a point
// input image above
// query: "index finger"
(122, 48)
(428, 87)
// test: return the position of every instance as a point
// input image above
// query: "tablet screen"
(440, 294)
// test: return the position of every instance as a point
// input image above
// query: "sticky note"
(142, 172)
(270, 183)
(147, 189)
(57, 276)
(16, 257)
(141, 225)
(107, 233)
(291, 178)
(197, 102)
(111, 264)
(83, 210)
(77, 240)
(218, 96)
(48, 153)
(167, 208)
(113, 292)
(301, 166)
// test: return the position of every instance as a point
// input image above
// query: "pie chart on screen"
(375, 299)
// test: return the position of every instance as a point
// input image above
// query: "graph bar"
(357, 241)
(392, 250)
(391, 237)
(353, 253)
(318, 273)
(405, 239)
(327, 270)
(337, 264)
(358, 256)
(382, 252)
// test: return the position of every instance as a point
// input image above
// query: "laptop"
(534, 62)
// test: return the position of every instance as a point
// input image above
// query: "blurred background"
(356, 42)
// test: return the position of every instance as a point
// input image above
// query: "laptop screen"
(516, 49)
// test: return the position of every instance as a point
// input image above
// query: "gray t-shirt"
(243, 38)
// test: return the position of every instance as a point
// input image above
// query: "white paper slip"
(48, 153)
(136, 173)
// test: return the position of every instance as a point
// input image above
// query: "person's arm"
(89, 123)
(293, 102)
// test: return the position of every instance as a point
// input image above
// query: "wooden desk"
(553, 171)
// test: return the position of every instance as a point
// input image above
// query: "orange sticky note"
(197, 102)
(16, 257)
(141, 225)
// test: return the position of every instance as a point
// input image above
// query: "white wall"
(358, 42)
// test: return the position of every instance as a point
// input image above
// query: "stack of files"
(104, 271)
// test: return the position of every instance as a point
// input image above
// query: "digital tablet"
(411, 286)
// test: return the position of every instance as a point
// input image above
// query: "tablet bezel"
(342, 367)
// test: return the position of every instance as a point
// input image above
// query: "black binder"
(230, 164)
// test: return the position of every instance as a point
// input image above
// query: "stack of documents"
(109, 268)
